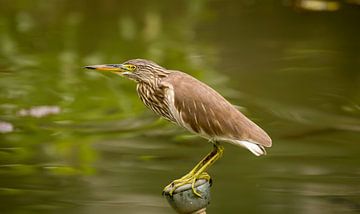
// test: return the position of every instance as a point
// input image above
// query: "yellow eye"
(131, 67)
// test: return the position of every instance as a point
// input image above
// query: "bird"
(186, 101)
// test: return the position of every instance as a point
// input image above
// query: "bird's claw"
(187, 179)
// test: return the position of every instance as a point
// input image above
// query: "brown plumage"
(209, 114)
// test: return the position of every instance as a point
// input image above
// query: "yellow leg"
(198, 172)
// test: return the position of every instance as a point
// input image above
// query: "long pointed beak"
(108, 67)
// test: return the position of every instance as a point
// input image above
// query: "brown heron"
(184, 100)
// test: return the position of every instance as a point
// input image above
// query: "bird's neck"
(145, 88)
(152, 82)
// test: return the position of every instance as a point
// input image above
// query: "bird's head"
(139, 70)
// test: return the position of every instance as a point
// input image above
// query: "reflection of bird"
(184, 100)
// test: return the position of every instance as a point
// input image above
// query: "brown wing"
(205, 110)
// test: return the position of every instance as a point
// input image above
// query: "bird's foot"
(189, 178)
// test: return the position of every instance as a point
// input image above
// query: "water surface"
(92, 147)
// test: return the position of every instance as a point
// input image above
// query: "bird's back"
(202, 110)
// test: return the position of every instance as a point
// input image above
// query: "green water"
(294, 72)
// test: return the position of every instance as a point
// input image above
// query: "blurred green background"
(76, 141)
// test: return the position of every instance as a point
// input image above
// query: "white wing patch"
(256, 149)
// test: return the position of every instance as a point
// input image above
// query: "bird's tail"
(256, 149)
